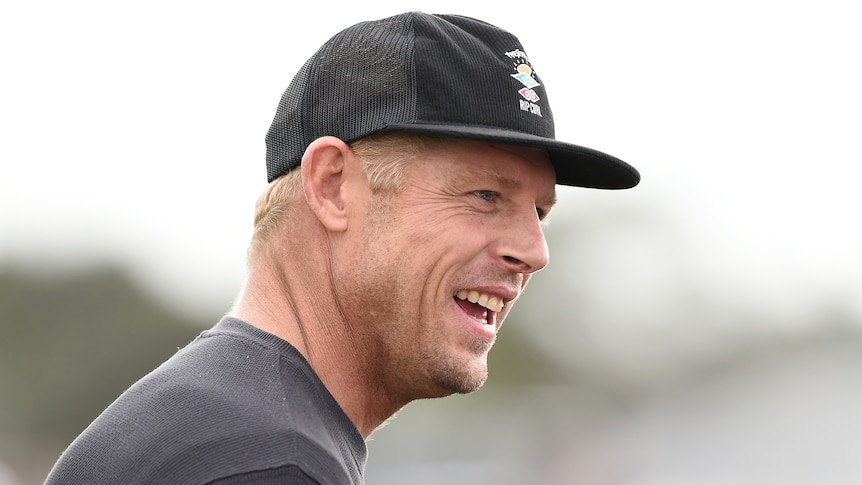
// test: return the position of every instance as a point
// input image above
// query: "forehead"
(508, 165)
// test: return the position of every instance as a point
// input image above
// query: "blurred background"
(701, 328)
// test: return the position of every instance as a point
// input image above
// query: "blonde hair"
(384, 157)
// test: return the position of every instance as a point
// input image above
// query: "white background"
(135, 131)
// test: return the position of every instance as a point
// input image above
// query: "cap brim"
(574, 165)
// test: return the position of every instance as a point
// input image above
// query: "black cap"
(441, 75)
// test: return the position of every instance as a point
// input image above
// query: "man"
(411, 163)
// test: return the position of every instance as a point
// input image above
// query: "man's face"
(436, 267)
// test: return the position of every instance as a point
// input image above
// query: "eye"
(486, 195)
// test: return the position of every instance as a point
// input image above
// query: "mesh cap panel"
(355, 85)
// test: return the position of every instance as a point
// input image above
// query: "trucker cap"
(438, 75)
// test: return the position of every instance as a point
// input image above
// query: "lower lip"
(484, 330)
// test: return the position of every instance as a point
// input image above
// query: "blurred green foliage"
(71, 343)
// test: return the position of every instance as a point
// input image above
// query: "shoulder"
(225, 406)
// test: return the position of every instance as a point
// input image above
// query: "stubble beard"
(456, 374)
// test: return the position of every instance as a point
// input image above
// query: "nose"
(523, 248)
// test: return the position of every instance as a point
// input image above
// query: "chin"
(454, 371)
(471, 386)
(460, 379)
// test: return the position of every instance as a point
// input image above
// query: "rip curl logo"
(530, 107)
(528, 94)
(524, 75)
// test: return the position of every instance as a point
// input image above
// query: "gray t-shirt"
(237, 405)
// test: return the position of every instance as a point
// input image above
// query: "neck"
(298, 306)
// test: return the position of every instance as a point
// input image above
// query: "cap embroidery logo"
(529, 94)
(524, 74)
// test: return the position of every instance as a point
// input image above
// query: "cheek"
(425, 228)
(440, 235)
(449, 243)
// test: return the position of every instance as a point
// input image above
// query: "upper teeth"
(488, 301)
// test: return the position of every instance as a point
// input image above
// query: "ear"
(323, 180)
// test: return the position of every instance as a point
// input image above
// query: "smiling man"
(411, 163)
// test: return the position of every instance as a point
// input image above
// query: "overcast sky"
(134, 131)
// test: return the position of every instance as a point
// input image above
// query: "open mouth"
(480, 306)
